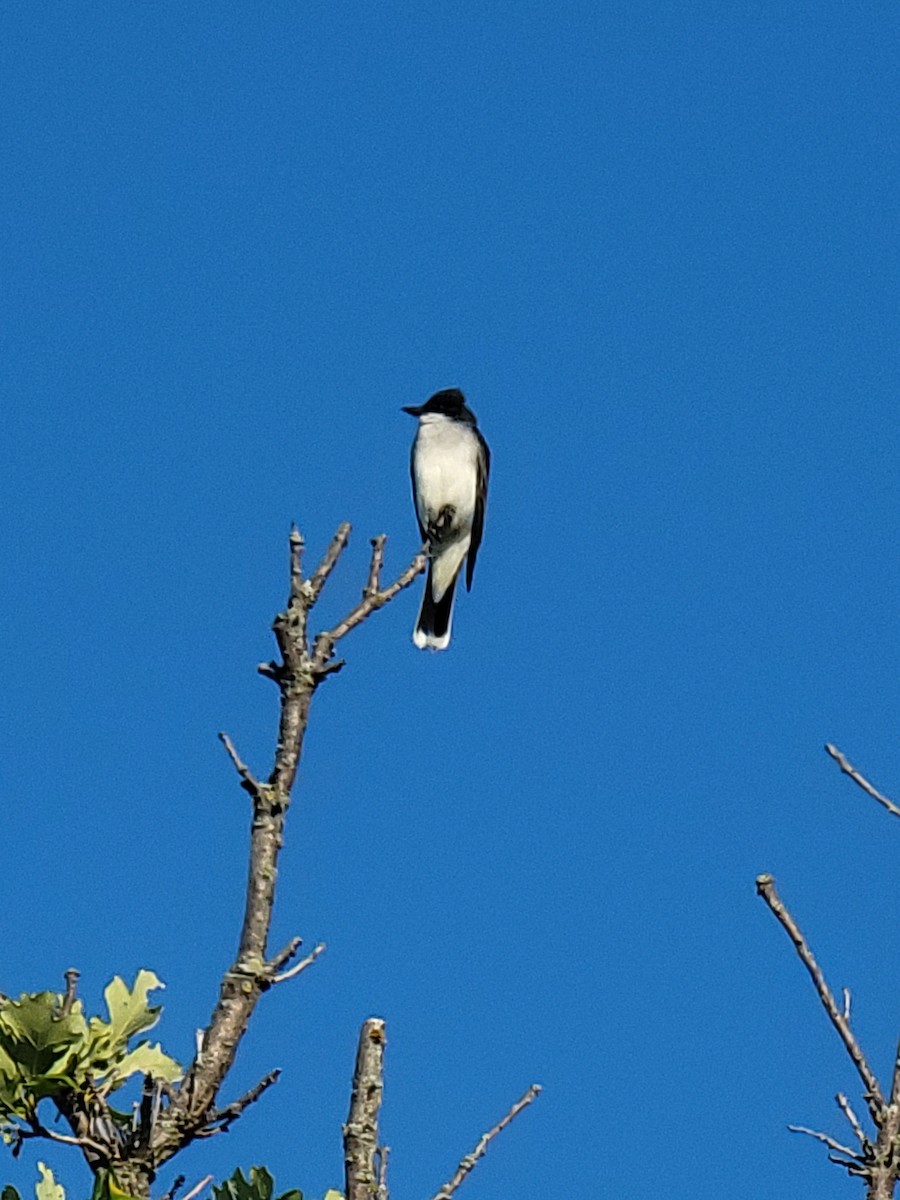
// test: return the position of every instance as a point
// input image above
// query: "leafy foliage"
(260, 1186)
(47, 1052)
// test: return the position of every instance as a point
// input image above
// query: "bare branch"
(329, 562)
(325, 642)
(860, 1170)
(765, 887)
(253, 971)
(296, 548)
(285, 954)
(383, 1153)
(222, 1118)
(829, 1141)
(177, 1185)
(850, 770)
(374, 581)
(844, 1105)
(198, 1188)
(38, 1130)
(468, 1162)
(301, 966)
(361, 1130)
(248, 780)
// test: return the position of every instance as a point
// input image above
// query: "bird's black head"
(449, 403)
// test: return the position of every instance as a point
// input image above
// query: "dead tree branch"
(860, 780)
(190, 1111)
(878, 1162)
(765, 887)
(467, 1163)
(361, 1173)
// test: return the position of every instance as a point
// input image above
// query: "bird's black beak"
(414, 410)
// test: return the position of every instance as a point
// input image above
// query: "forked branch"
(191, 1110)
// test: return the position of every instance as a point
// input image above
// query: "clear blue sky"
(657, 246)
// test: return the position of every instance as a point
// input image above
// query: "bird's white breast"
(446, 469)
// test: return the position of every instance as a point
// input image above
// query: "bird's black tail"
(432, 631)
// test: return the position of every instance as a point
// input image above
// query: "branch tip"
(468, 1162)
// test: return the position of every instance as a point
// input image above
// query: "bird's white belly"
(446, 470)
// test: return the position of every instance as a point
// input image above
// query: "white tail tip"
(429, 641)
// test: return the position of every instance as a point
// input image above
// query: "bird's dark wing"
(481, 487)
(412, 475)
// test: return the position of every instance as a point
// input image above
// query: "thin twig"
(829, 1141)
(468, 1162)
(765, 887)
(296, 547)
(383, 1153)
(177, 1185)
(301, 966)
(847, 1002)
(375, 564)
(844, 1105)
(895, 1077)
(285, 954)
(325, 642)
(861, 1170)
(329, 561)
(248, 780)
(850, 770)
(223, 1117)
(38, 1130)
(195, 1191)
(361, 1129)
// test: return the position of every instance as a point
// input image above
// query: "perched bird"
(449, 464)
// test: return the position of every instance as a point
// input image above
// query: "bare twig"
(329, 561)
(765, 887)
(198, 1188)
(850, 770)
(177, 1185)
(895, 1077)
(248, 780)
(829, 1141)
(383, 1153)
(222, 1118)
(468, 1162)
(361, 1130)
(38, 1130)
(296, 547)
(374, 581)
(325, 642)
(71, 977)
(285, 954)
(301, 966)
(844, 1105)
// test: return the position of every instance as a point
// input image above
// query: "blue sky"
(656, 245)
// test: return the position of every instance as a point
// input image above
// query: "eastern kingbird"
(449, 465)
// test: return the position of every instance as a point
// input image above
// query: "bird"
(449, 464)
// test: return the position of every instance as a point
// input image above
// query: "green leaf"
(36, 1039)
(331, 1194)
(147, 1060)
(46, 1187)
(129, 1013)
(9, 1193)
